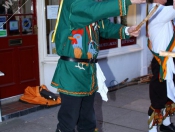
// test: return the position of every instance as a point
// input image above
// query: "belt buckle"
(92, 60)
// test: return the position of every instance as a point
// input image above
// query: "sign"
(2, 18)
(126, 42)
(52, 11)
(2, 22)
(108, 43)
(13, 25)
(26, 23)
(1, 25)
(3, 33)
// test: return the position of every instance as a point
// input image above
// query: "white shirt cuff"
(126, 31)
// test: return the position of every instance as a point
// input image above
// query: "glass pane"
(15, 18)
(131, 41)
(16, 7)
(26, 6)
(50, 5)
(13, 26)
(108, 43)
(129, 20)
(27, 25)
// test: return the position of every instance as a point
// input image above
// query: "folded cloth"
(102, 89)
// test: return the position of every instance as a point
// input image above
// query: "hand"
(133, 32)
(138, 1)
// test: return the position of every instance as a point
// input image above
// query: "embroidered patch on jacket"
(76, 40)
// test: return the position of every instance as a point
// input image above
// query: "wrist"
(126, 30)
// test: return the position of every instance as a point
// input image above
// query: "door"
(18, 47)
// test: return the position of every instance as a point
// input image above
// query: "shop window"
(108, 43)
(128, 20)
(51, 10)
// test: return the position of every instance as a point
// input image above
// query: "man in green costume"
(79, 25)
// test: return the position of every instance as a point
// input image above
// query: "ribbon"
(58, 18)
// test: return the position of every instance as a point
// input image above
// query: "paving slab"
(140, 105)
(133, 119)
(108, 113)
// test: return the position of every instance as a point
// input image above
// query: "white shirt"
(160, 31)
(160, 27)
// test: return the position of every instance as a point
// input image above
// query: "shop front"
(28, 57)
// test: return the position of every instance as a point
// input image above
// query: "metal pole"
(1, 74)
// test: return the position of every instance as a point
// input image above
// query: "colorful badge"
(26, 23)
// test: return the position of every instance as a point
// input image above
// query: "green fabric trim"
(123, 8)
(169, 46)
(161, 68)
(123, 33)
(126, 36)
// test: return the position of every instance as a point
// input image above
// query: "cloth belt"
(78, 60)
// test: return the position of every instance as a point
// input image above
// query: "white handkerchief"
(102, 89)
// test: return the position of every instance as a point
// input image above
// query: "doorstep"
(18, 108)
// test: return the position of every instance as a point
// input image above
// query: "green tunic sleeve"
(112, 30)
(85, 12)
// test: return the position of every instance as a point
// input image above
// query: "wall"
(147, 54)
(120, 67)
(49, 69)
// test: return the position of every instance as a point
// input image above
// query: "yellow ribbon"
(58, 18)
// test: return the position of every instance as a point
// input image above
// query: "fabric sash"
(161, 59)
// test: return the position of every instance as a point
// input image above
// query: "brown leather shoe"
(169, 128)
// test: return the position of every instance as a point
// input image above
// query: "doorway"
(19, 59)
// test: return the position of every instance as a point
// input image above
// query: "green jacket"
(80, 22)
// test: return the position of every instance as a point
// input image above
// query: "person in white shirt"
(161, 89)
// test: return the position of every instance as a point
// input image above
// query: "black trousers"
(157, 89)
(76, 111)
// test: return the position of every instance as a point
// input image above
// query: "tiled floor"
(16, 109)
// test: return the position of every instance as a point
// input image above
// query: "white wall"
(146, 54)
(120, 67)
(150, 56)
(49, 69)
